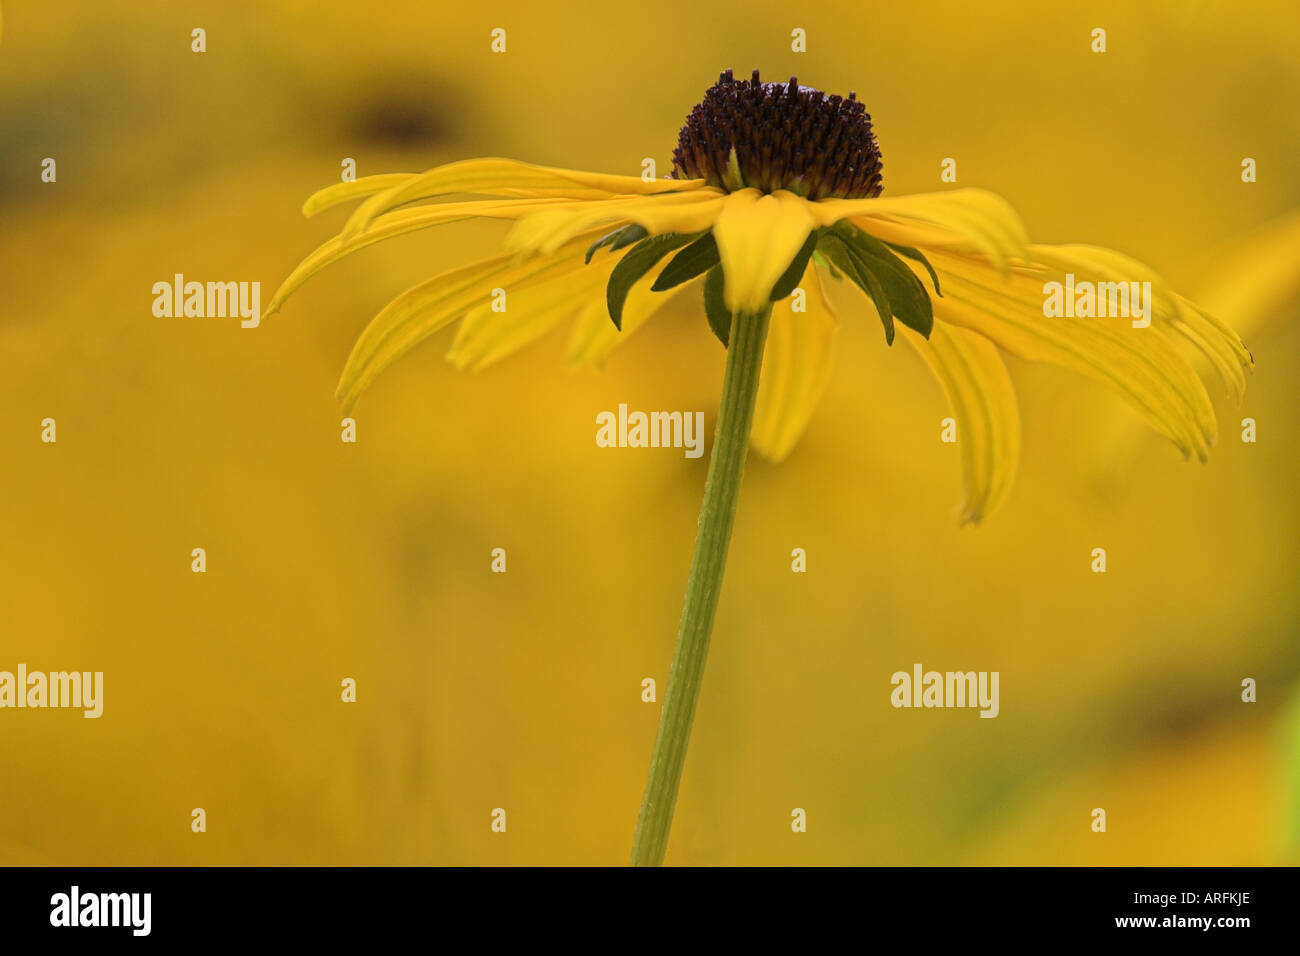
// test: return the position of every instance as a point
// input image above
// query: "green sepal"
(695, 260)
(794, 272)
(623, 236)
(917, 256)
(907, 294)
(841, 253)
(640, 259)
(715, 308)
(819, 257)
(908, 297)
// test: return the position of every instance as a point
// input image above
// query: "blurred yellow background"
(522, 691)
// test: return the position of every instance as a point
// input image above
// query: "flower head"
(779, 136)
(776, 187)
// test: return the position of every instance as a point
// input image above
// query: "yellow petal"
(589, 342)
(433, 304)
(962, 220)
(323, 199)
(594, 335)
(395, 224)
(1218, 343)
(796, 368)
(546, 230)
(486, 336)
(507, 177)
(1256, 276)
(1142, 364)
(758, 237)
(983, 402)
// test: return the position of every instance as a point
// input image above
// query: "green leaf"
(623, 236)
(695, 260)
(794, 272)
(841, 253)
(640, 259)
(715, 309)
(917, 256)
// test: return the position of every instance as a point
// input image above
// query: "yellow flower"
(776, 188)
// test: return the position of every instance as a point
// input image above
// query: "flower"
(776, 187)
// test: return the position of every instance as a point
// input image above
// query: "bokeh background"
(522, 691)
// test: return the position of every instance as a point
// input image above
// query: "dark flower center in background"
(779, 136)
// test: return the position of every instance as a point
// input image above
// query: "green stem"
(717, 515)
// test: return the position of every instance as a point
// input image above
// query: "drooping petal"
(1255, 277)
(1141, 363)
(589, 343)
(508, 177)
(485, 336)
(594, 335)
(546, 230)
(323, 199)
(398, 223)
(1251, 279)
(435, 303)
(796, 368)
(758, 237)
(1218, 343)
(983, 403)
(961, 220)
